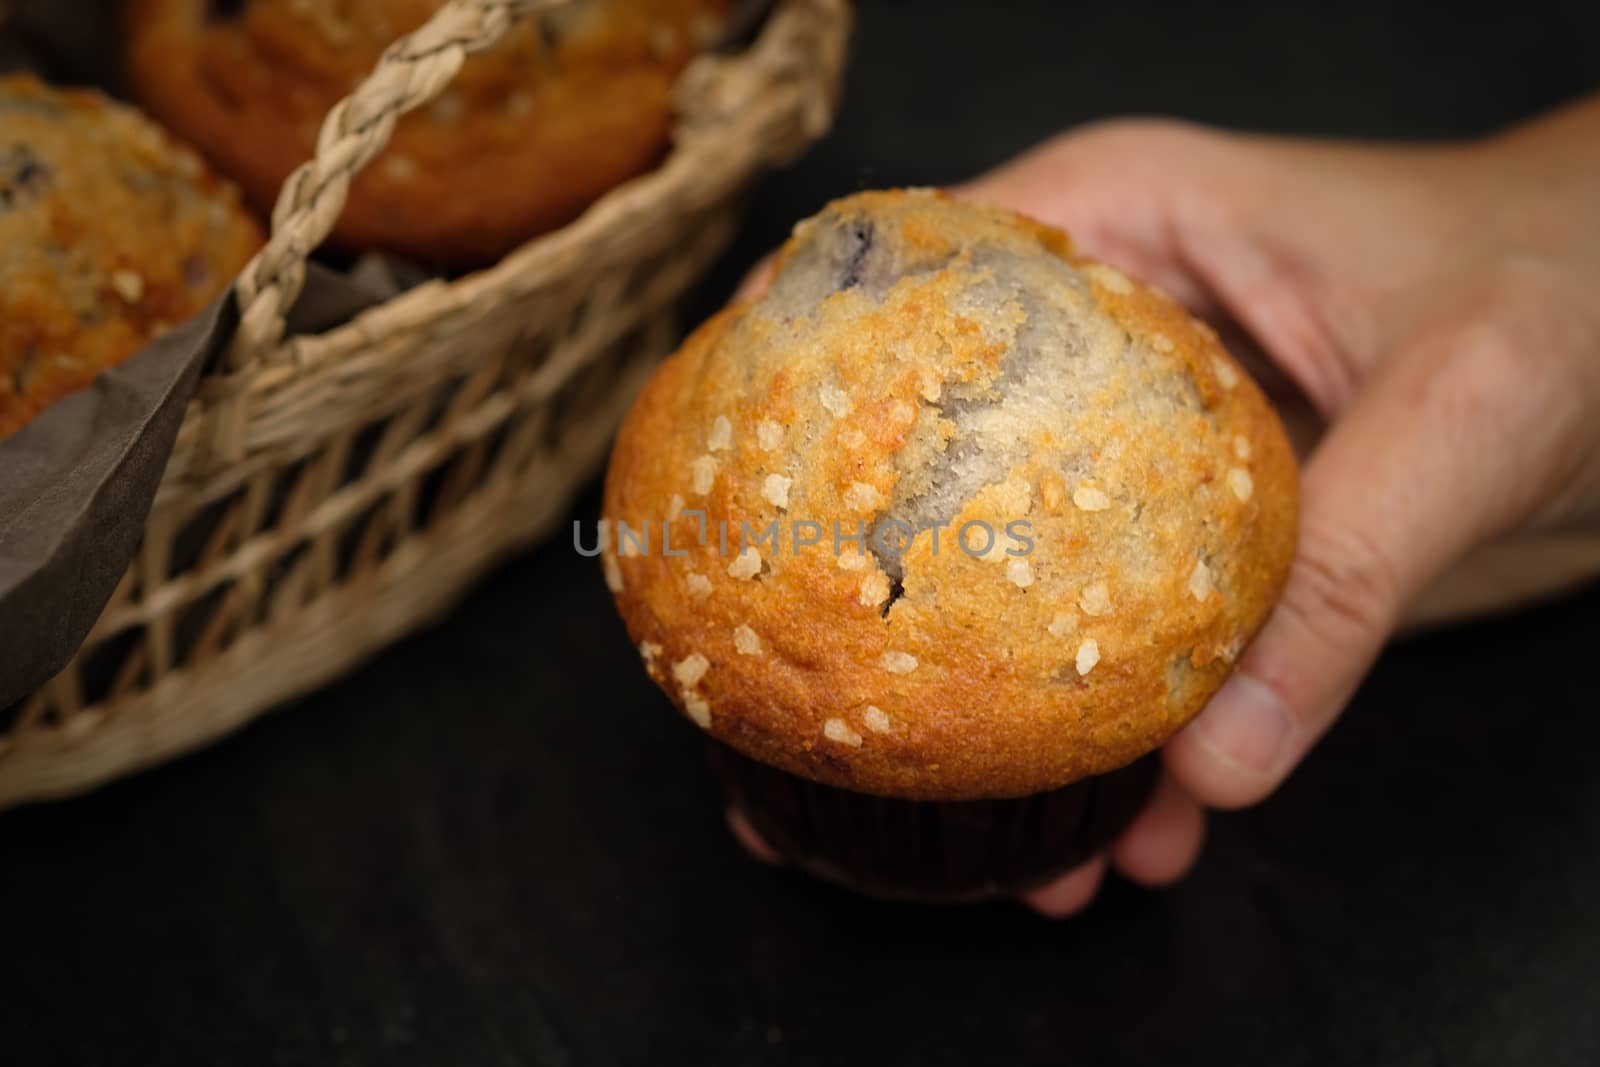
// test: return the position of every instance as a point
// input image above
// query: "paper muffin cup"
(934, 851)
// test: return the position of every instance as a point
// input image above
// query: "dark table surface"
(495, 846)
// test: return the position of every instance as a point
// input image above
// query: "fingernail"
(1245, 725)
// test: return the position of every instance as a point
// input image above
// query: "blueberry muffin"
(527, 136)
(109, 233)
(940, 536)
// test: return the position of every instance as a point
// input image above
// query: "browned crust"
(995, 706)
(456, 187)
(130, 235)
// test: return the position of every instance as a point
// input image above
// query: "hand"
(1436, 310)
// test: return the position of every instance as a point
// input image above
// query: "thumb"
(1427, 462)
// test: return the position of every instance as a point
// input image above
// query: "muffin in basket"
(940, 538)
(109, 233)
(529, 134)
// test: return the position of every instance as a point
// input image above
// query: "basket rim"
(617, 209)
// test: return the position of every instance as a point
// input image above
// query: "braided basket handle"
(413, 70)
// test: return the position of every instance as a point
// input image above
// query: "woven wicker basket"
(330, 492)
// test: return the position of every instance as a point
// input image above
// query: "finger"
(1031, 183)
(1124, 191)
(746, 835)
(756, 282)
(1425, 464)
(1070, 893)
(1164, 841)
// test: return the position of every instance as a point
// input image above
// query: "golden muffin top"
(949, 512)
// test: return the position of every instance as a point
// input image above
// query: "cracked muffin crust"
(526, 136)
(921, 361)
(109, 233)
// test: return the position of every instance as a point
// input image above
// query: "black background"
(494, 845)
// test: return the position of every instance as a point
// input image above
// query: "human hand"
(1437, 309)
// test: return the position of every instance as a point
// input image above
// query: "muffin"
(528, 135)
(109, 233)
(941, 535)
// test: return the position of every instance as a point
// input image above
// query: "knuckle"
(1515, 320)
(1507, 376)
(1477, 367)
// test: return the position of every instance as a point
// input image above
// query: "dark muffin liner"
(934, 851)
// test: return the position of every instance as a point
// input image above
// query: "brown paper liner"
(946, 851)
